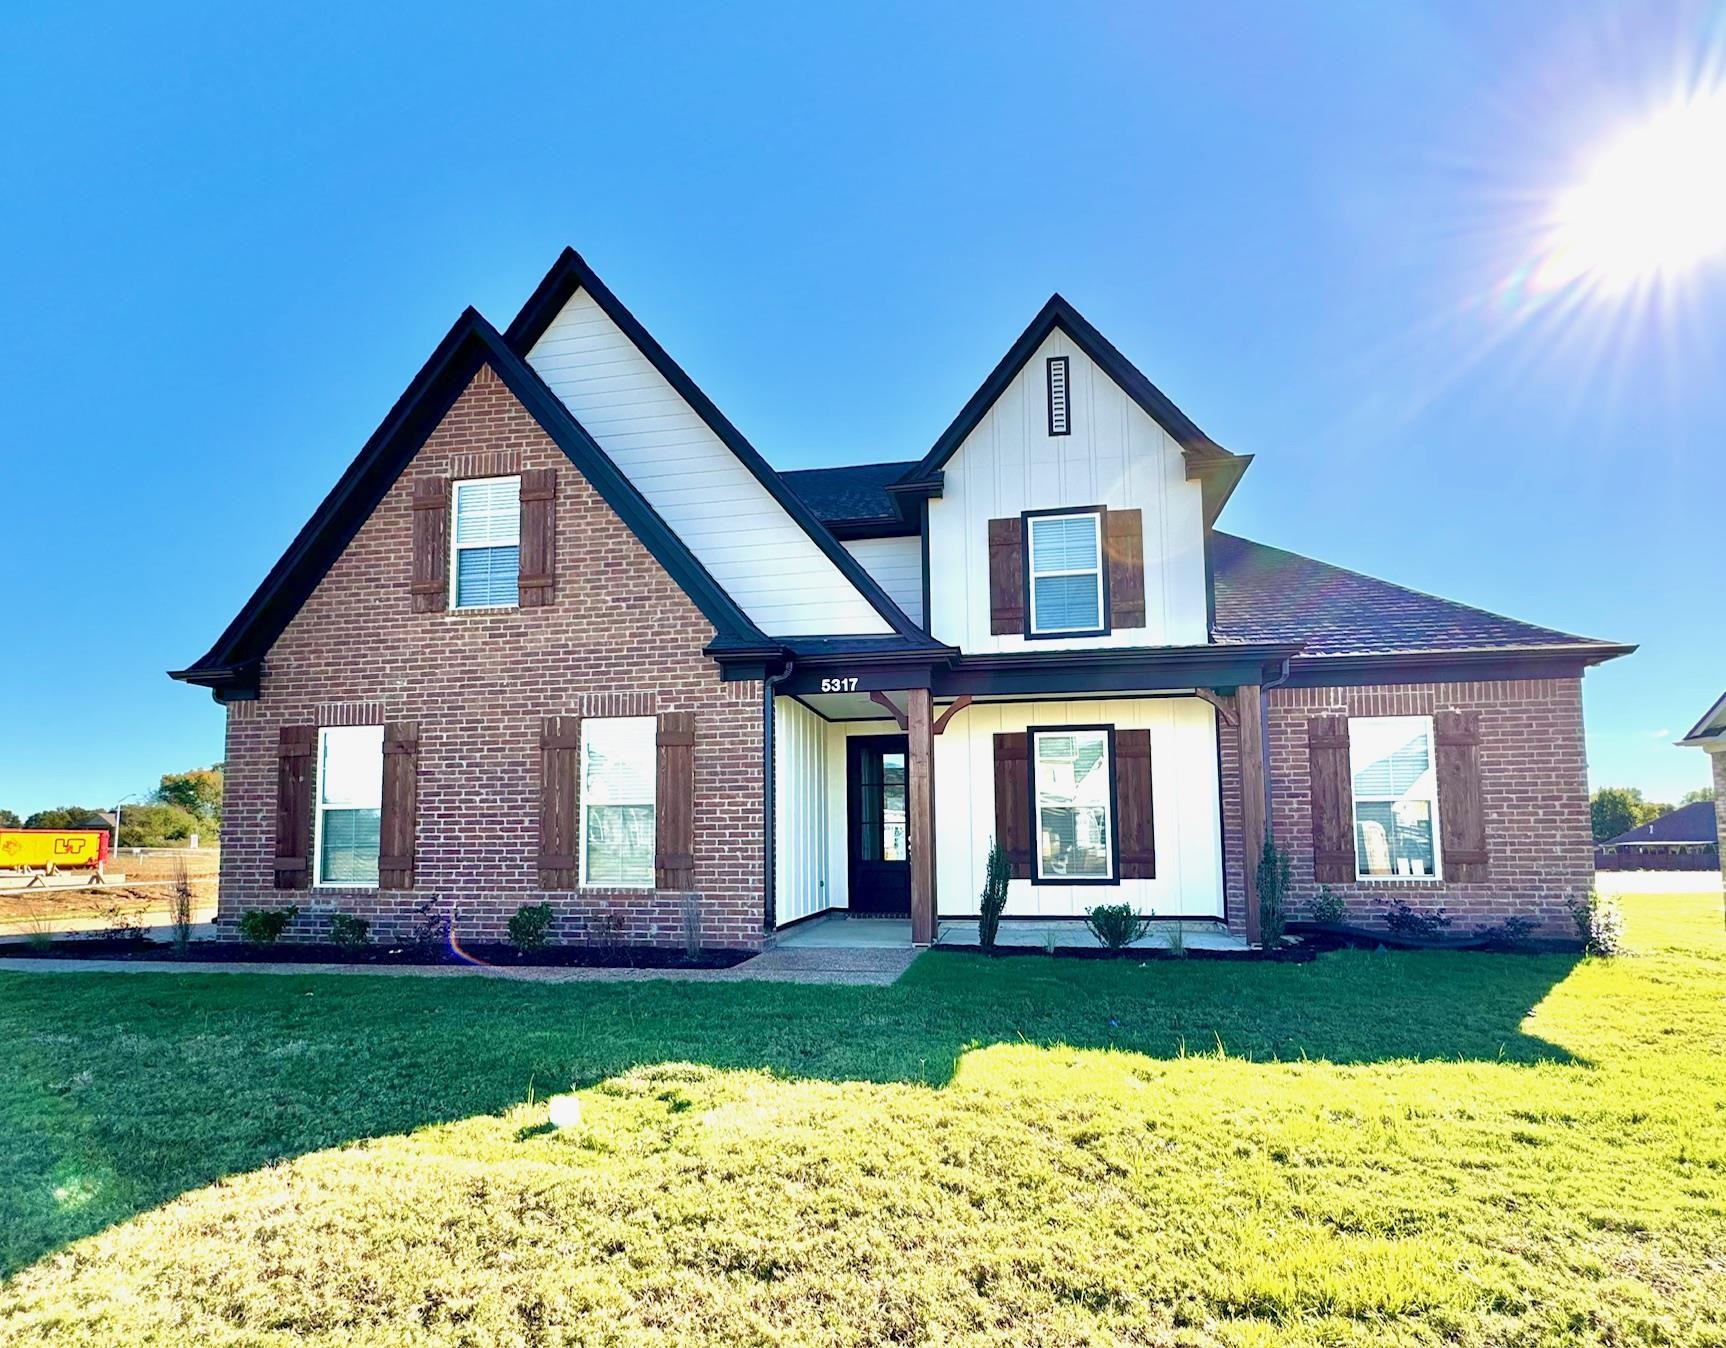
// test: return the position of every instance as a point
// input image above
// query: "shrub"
(1514, 933)
(1177, 936)
(1328, 909)
(528, 928)
(180, 907)
(1273, 878)
(350, 932)
(1413, 923)
(1599, 924)
(430, 926)
(996, 874)
(1116, 925)
(264, 926)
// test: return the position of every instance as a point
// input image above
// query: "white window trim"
(319, 806)
(1033, 575)
(1111, 843)
(1364, 877)
(456, 548)
(652, 800)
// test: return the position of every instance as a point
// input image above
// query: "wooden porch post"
(1249, 701)
(920, 809)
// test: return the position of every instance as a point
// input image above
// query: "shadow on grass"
(118, 1093)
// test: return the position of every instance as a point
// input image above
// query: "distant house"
(1710, 733)
(1685, 839)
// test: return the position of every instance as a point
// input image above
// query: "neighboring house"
(560, 633)
(1685, 839)
(1710, 734)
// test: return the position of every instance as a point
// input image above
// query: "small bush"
(1273, 895)
(996, 874)
(264, 926)
(1514, 933)
(180, 907)
(1177, 936)
(431, 928)
(350, 932)
(1599, 924)
(1116, 925)
(1328, 909)
(529, 926)
(1415, 924)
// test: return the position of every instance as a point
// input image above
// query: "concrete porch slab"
(840, 931)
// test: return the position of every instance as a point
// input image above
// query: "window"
(619, 759)
(350, 799)
(1395, 797)
(1066, 573)
(1059, 421)
(1074, 804)
(486, 558)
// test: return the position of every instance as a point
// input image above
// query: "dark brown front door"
(880, 861)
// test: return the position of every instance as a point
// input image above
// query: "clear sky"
(230, 241)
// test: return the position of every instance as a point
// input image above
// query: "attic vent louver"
(1059, 421)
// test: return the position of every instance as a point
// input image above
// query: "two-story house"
(561, 634)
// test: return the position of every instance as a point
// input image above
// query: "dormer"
(1068, 505)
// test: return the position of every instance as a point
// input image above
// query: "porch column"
(1249, 706)
(920, 811)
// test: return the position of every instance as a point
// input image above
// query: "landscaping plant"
(264, 926)
(180, 907)
(1116, 925)
(350, 932)
(1273, 877)
(1599, 924)
(528, 928)
(1328, 909)
(1415, 924)
(998, 870)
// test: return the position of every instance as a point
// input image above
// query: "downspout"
(770, 682)
(1265, 738)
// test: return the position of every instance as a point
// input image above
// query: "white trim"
(320, 805)
(1033, 575)
(650, 726)
(1108, 765)
(1429, 799)
(456, 546)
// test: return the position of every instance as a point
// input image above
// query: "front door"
(880, 862)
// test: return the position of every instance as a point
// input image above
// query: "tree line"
(183, 804)
(1618, 809)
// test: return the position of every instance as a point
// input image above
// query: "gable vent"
(1060, 423)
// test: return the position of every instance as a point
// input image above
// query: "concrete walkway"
(871, 966)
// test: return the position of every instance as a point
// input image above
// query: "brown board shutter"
(559, 802)
(1461, 815)
(1124, 546)
(1006, 576)
(1136, 832)
(1013, 801)
(538, 536)
(1333, 859)
(294, 749)
(431, 544)
(400, 805)
(674, 803)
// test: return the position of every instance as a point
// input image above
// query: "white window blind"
(1395, 797)
(619, 764)
(350, 798)
(1066, 573)
(487, 551)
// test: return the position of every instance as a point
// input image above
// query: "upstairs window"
(350, 800)
(1060, 421)
(619, 760)
(485, 560)
(1395, 797)
(1065, 569)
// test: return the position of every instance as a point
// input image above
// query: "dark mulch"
(504, 956)
(1288, 954)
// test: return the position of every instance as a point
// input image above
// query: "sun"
(1650, 208)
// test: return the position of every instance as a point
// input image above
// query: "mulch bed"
(1288, 954)
(487, 953)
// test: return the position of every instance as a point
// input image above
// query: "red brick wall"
(619, 638)
(1534, 780)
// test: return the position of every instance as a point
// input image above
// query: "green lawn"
(1373, 1148)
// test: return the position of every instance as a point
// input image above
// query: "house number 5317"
(839, 685)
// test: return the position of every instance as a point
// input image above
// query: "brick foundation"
(619, 638)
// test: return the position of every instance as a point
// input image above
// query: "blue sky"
(231, 241)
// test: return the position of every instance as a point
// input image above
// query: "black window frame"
(1113, 879)
(1106, 627)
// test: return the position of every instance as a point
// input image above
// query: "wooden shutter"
(538, 536)
(294, 749)
(1006, 575)
(1333, 859)
(1135, 830)
(1124, 546)
(559, 802)
(674, 803)
(400, 805)
(1013, 800)
(1461, 813)
(431, 544)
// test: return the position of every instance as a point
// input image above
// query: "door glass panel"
(893, 807)
(869, 806)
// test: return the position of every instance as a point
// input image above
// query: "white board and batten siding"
(1116, 456)
(800, 811)
(1185, 810)
(896, 565)
(729, 520)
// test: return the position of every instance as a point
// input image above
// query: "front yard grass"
(1372, 1148)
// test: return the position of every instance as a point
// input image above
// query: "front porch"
(842, 931)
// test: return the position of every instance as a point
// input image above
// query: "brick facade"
(1534, 782)
(619, 638)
